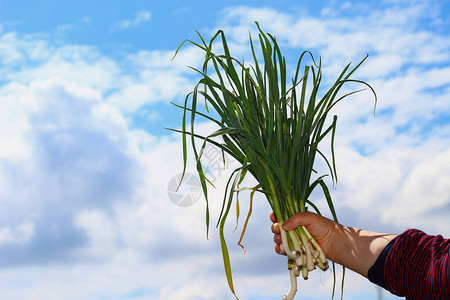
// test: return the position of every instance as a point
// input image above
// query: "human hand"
(356, 249)
(321, 229)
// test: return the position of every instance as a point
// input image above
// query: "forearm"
(357, 249)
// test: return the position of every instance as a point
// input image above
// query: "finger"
(275, 228)
(277, 238)
(277, 248)
(273, 218)
(301, 218)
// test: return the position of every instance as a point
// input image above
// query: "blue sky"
(85, 162)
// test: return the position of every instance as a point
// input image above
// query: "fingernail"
(287, 225)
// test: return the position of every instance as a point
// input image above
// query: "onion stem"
(290, 253)
(304, 257)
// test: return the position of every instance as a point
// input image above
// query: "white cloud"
(155, 77)
(18, 50)
(75, 156)
(14, 112)
(21, 234)
(339, 39)
(27, 58)
(79, 187)
(141, 17)
(426, 192)
(144, 77)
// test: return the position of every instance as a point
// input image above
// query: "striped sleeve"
(417, 266)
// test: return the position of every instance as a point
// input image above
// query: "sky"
(87, 169)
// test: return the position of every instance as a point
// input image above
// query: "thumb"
(288, 225)
(300, 218)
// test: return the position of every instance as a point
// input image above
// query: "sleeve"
(414, 265)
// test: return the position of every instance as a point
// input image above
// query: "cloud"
(426, 188)
(141, 17)
(339, 39)
(155, 77)
(73, 174)
(21, 234)
(27, 58)
(85, 210)
(141, 78)
(64, 30)
(76, 158)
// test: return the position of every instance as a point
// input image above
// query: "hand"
(354, 248)
(321, 229)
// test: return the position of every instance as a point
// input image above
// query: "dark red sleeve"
(417, 266)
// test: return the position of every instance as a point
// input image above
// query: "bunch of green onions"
(272, 126)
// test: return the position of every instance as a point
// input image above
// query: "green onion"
(272, 126)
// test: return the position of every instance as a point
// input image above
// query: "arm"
(353, 248)
(415, 265)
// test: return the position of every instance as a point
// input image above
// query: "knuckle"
(275, 228)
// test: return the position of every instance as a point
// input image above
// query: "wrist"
(336, 243)
(357, 249)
